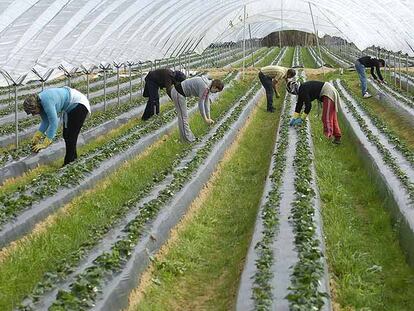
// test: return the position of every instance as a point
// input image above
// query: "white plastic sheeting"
(47, 33)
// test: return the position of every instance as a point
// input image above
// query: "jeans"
(153, 105)
(76, 118)
(267, 84)
(362, 77)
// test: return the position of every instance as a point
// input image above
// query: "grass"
(308, 61)
(366, 263)
(288, 58)
(201, 269)
(91, 212)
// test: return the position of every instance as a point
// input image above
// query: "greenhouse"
(206, 155)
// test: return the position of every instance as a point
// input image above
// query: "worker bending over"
(323, 92)
(50, 104)
(154, 81)
(368, 61)
(270, 77)
(200, 87)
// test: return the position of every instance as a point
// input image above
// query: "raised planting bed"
(57, 150)
(391, 168)
(239, 58)
(126, 249)
(257, 56)
(316, 58)
(297, 58)
(285, 267)
(101, 120)
(87, 231)
(52, 189)
(7, 130)
(393, 99)
(337, 59)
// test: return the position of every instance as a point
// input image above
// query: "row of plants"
(401, 93)
(254, 57)
(47, 184)
(305, 290)
(297, 58)
(97, 118)
(317, 59)
(9, 128)
(387, 156)
(382, 126)
(67, 265)
(262, 286)
(233, 58)
(305, 293)
(84, 291)
(273, 58)
(84, 223)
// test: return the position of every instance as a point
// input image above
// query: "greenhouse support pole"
(16, 83)
(105, 69)
(130, 64)
(317, 39)
(406, 72)
(104, 90)
(244, 39)
(281, 24)
(16, 118)
(399, 69)
(141, 73)
(389, 65)
(118, 67)
(395, 70)
(251, 45)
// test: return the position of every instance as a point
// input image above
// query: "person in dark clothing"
(156, 79)
(368, 61)
(324, 92)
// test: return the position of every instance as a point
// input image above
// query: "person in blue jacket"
(54, 103)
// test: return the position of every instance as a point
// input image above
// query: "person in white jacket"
(199, 87)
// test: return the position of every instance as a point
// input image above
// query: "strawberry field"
(262, 211)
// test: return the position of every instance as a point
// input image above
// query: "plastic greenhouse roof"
(47, 33)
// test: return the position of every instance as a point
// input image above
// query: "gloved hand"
(296, 120)
(36, 137)
(210, 121)
(46, 143)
